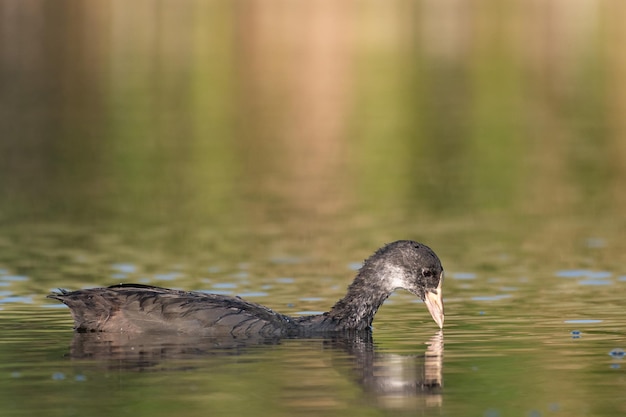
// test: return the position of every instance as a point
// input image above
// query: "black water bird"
(136, 308)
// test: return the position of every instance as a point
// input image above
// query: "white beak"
(434, 303)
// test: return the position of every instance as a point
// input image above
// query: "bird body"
(136, 308)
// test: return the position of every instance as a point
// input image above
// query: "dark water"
(264, 151)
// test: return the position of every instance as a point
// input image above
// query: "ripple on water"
(54, 305)
(217, 292)
(582, 321)
(596, 242)
(492, 412)
(312, 299)
(595, 282)
(572, 273)
(253, 294)
(583, 273)
(355, 266)
(224, 285)
(590, 278)
(240, 275)
(599, 274)
(491, 297)
(463, 275)
(168, 276)
(14, 278)
(221, 288)
(16, 299)
(58, 376)
(126, 268)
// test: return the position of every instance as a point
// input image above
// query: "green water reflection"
(266, 150)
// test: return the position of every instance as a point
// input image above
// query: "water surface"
(265, 153)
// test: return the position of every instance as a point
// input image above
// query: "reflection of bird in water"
(401, 381)
(390, 380)
(132, 308)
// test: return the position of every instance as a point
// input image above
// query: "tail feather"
(89, 314)
(58, 295)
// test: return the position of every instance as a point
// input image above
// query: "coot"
(136, 308)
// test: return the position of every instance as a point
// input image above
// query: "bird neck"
(356, 310)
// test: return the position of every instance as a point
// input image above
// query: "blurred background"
(222, 145)
(196, 126)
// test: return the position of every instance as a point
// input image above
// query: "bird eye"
(427, 273)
